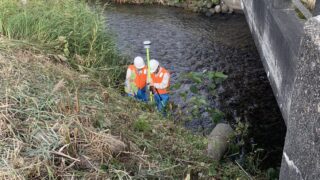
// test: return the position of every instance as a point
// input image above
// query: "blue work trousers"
(161, 101)
(141, 95)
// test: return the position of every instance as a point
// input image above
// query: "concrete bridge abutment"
(301, 155)
(290, 51)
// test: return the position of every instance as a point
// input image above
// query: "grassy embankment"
(60, 116)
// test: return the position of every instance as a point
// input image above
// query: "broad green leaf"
(220, 75)
(216, 75)
(216, 115)
(195, 77)
(212, 86)
(211, 74)
(202, 101)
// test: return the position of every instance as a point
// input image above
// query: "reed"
(69, 27)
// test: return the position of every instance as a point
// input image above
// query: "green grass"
(141, 125)
(68, 27)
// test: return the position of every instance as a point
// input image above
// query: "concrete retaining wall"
(277, 32)
(290, 51)
(301, 156)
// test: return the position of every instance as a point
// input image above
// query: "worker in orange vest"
(160, 82)
(136, 79)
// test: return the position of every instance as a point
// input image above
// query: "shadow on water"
(185, 42)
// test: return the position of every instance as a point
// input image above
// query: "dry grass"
(57, 123)
(45, 132)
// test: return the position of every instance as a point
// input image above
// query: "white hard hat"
(138, 62)
(154, 64)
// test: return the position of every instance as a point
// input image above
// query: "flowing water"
(183, 42)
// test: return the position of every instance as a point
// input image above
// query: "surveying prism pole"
(147, 45)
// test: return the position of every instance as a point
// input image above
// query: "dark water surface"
(184, 42)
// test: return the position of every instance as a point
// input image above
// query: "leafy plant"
(272, 174)
(215, 2)
(213, 169)
(242, 130)
(198, 102)
(253, 161)
(195, 77)
(175, 86)
(216, 115)
(141, 125)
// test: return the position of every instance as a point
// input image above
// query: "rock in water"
(208, 13)
(178, 5)
(184, 5)
(212, 11)
(195, 9)
(218, 141)
(209, 4)
(204, 10)
(224, 8)
(217, 9)
(230, 10)
(170, 3)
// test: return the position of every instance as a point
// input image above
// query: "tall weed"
(70, 27)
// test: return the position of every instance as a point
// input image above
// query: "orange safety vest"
(141, 78)
(158, 78)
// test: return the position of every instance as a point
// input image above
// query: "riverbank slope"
(58, 123)
(61, 113)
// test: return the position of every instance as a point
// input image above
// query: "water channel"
(188, 42)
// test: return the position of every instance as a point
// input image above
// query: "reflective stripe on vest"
(159, 78)
(141, 78)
